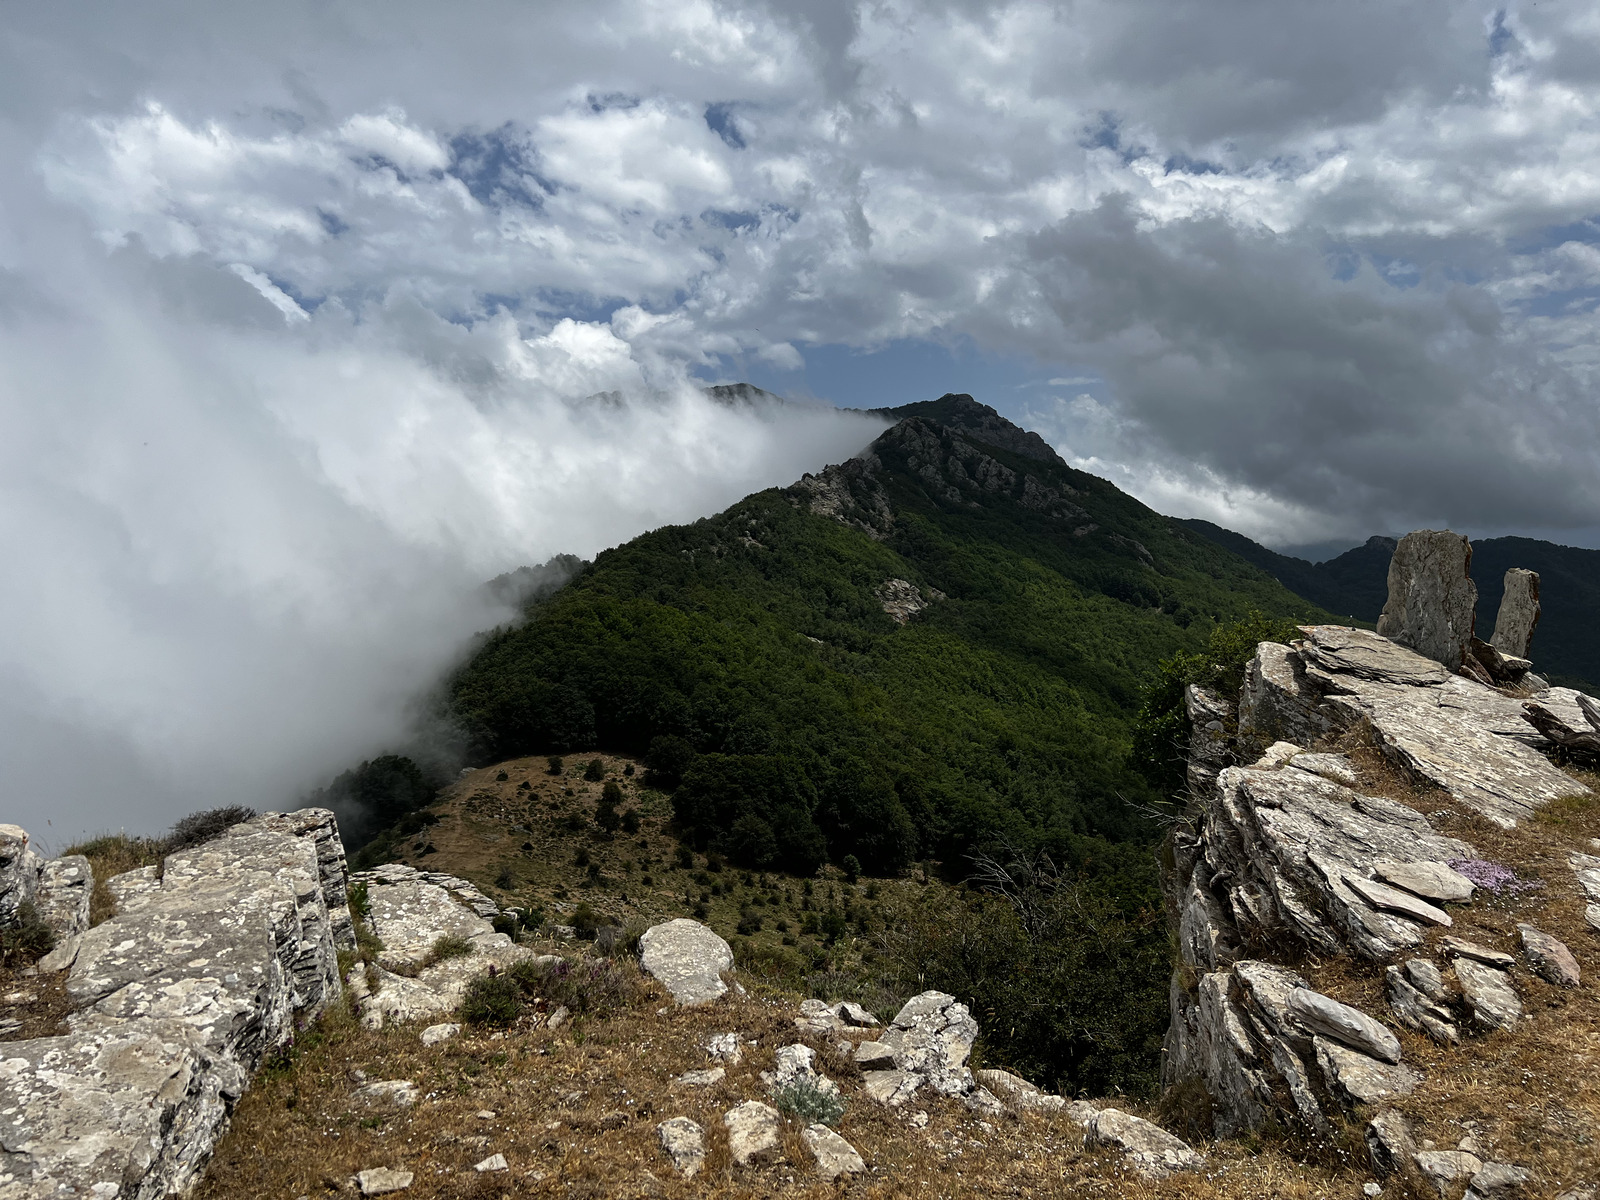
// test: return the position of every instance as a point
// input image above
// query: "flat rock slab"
(1325, 1015)
(1392, 899)
(1359, 1077)
(834, 1155)
(708, 1078)
(687, 958)
(1430, 880)
(891, 1088)
(1549, 957)
(434, 1034)
(1454, 733)
(387, 1093)
(380, 1181)
(1151, 1151)
(410, 915)
(684, 1143)
(1455, 947)
(753, 1128)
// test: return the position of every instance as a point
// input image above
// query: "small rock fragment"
(753, 1128)
(1455, 947)
(558, 1018)
(387, 1093)
(1445, 1167)
(380, 1181)
(701, 1078)
(918, 1119)
(1549, 957)
(1499, 1181)
(495, 1162)
(1427, 979)
(891, 1088)
(684, 1143)
(434, 1034)
(852, 1013)
(724, 1047)
(834, 1155)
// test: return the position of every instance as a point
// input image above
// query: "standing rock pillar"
(1519, 613)
(1432, 599)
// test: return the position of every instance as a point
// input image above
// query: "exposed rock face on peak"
(965, 415)
(208, 966)
(1432, 599)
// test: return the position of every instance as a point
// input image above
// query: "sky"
(305, 307)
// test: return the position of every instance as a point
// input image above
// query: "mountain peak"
(961, 412)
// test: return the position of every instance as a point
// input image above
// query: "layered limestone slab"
(205, 969)
(687, 958)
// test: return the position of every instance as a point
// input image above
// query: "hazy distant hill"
(1566, 647)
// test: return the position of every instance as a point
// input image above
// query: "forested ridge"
(750, 657)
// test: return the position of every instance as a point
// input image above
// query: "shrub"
(630, 821)
(628, 770)
(611, 793)
(685, 858)
(203, 826)
(492, 1000)
(607, 817)
(502, 777)
(586, 985)
(595, 771)
(585, 920)
(749, 923)
(26, 941)
(505, 880)
(810, 1103)
(554, 764)
(852, 868)
(360, 901)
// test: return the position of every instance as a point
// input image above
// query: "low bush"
(203, 826)
(808, 1102)
(494, 1001)
(585, 985)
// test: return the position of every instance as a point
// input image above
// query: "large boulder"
(1519, 613)
(687, 958)
(1432, 600)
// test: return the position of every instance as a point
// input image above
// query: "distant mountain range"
(1566, 647)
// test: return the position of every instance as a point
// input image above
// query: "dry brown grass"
(556, 1099)
(112, 854)
(39, 1002)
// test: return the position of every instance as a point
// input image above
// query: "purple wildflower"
(1493, 877)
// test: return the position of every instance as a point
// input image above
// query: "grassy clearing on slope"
(1075, 1000)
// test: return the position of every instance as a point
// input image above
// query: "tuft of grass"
(27, 940)
(451, 945)
(114, 854)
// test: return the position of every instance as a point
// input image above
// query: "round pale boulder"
(686, 957)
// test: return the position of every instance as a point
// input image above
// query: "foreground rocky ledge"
(212, 962)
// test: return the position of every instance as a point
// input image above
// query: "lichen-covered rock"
(1151, 1151)
(1433, 602)
(687, 958)
(1210, 746)
(796, 1064)
(65, 885)
(1323, 1014)
(684, 1143)
(930, 1038)
(1494, 1001)
(834, 1156)
(1276, 704)
(1357, 1077)
(204, 971)
(1519, 613)
(1418, 1011)
(1390, 1144)
(1549, 957)
(753, 1128)
(19, 871)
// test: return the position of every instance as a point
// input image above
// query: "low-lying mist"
(240, 544)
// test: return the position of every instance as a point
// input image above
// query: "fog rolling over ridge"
(238, 548)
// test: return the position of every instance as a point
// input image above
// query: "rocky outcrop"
(687, 958)
(902, 600)
(211, 963)
(410, 911)
(927, 1043)
(1432, 600)
(1519, 613)
(1289, 854)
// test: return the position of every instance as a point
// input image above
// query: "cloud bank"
(299, 310)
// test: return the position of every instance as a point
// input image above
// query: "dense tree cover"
(378, 797)
(750, 659)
